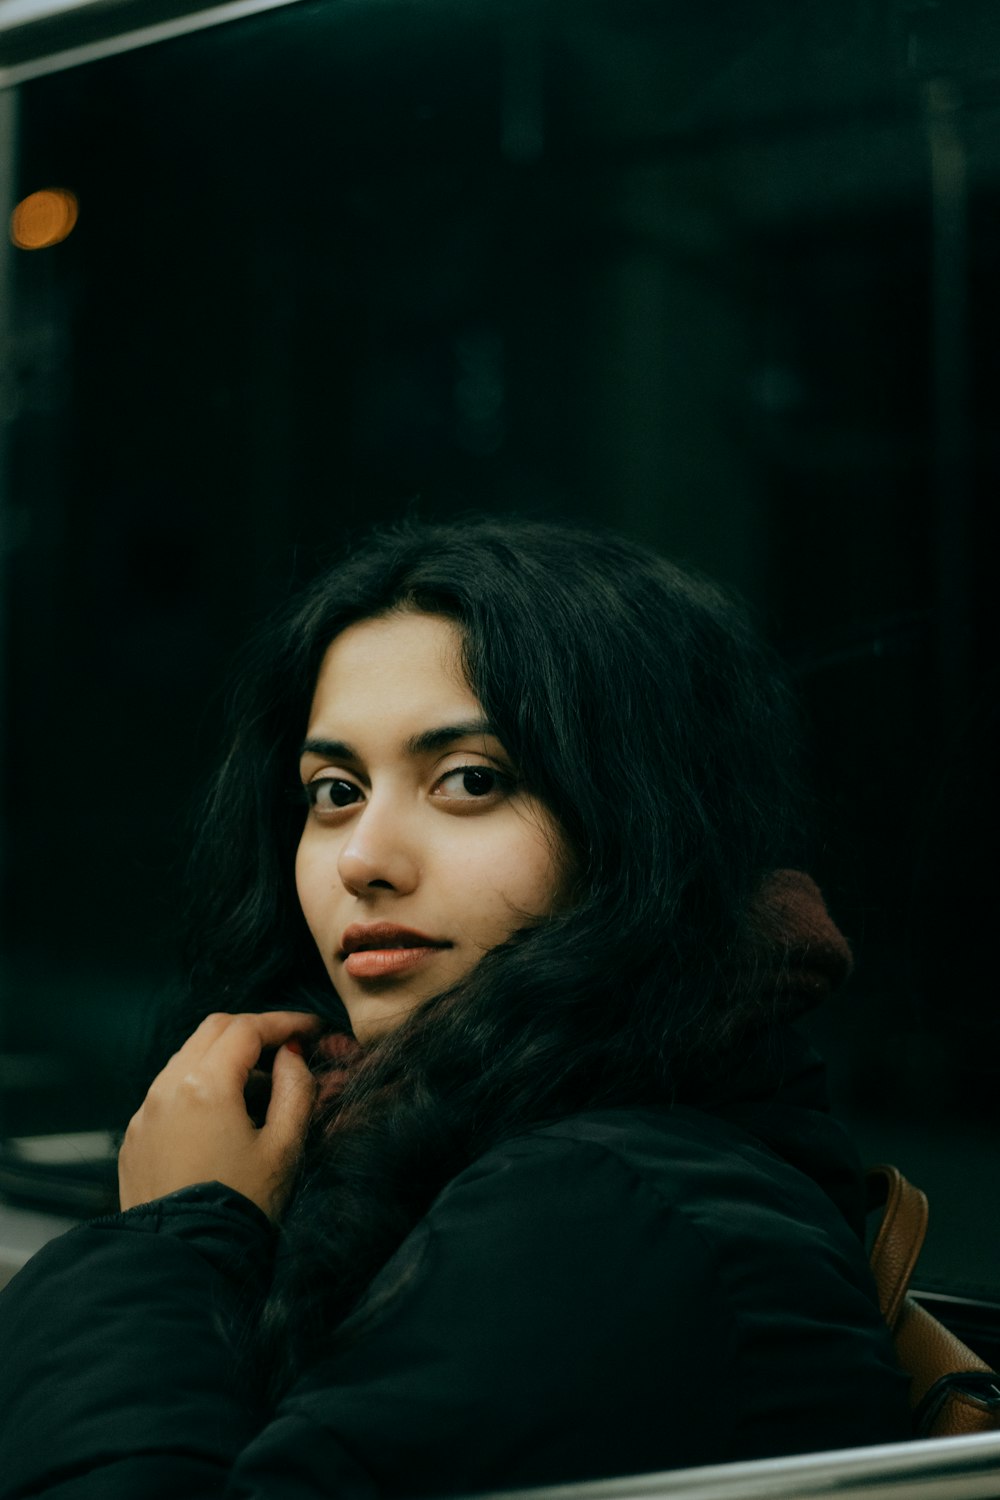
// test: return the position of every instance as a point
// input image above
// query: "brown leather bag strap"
(897, 1245)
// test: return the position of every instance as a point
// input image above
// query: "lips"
(362, 937)
(381, 950)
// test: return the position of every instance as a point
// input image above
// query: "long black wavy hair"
(638, 704)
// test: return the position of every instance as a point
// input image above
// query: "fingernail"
(296, 1047)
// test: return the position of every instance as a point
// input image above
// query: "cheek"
(504, 881)
(539, 874)
(539, 883)
(309, 881)
(302, 881)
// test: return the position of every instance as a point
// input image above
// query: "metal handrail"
(952, 1468)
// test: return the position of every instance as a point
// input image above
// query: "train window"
(719, 276)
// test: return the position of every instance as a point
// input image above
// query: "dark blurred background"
(721, 276)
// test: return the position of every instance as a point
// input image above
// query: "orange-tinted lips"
(380, 950)
(361, 937)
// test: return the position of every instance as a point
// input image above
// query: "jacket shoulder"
(695, 1165)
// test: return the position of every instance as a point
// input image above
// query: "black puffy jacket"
(625, 1291)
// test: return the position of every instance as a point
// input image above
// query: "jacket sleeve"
(524, 1336)
(118, 1347)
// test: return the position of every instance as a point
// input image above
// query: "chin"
(371, 1018)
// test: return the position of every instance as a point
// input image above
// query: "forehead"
(396, 666)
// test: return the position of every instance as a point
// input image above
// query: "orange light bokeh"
(43, 218)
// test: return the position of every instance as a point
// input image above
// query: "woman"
(541, 1186)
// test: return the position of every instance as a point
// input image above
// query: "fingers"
(237, 1049)
(257, 1095)
(241, 1033)
(195, 1124)
(198, 1043)
(293, 1094)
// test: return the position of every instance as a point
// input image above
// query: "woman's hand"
(193, 1125)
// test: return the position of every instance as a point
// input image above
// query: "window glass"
(722, 278)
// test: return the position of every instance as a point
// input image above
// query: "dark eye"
(331, 792)
(471, 781)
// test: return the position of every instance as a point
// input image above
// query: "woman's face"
(420, 852)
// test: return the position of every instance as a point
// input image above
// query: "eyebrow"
(424, 743)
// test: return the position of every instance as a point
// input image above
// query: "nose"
(378, 854)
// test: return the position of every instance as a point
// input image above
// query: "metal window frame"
(39, 37)
(46, 36)
(952, 1468)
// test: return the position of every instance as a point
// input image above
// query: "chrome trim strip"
(21, 12)
(954, 1468)
(115, 28)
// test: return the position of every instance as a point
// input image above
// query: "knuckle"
(193, 1088)
(218, 1020)
(153, 1101)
